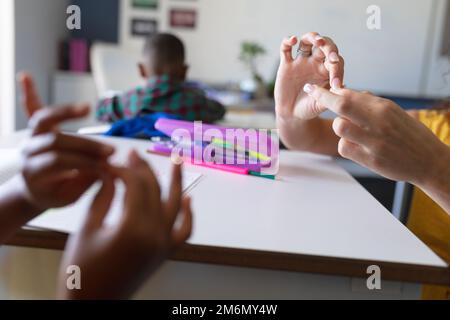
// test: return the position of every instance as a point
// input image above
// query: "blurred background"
(232, 48)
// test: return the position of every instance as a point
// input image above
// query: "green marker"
(262, 175)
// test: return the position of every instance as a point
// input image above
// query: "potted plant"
(250, 52)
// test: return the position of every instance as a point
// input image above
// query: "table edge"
(279, 261)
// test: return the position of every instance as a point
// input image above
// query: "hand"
(115, 260)
(57, 168)
(324, 67)
(378, 134)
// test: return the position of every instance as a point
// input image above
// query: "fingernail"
(333, 57)
(336, 83)
(308, 88)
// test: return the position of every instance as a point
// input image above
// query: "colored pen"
(228, 145)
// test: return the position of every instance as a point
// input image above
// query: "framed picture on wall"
(183, 18)
(143, 27)
(146, 4)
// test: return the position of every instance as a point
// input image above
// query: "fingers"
(341, 102)
(47, 120)
(310, 40)
(353, 151)
(100, 206)
(327, 50)
(143, 195)
(67, 143)
(181, 234)
(286, 48)
(77, 184)
(148, 176)
(173, 204)
(324, 48)
(52, 164)
(347, 130)
(336, 71)
(310, 111)
(30, 98)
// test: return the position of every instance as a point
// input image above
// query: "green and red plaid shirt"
(161, 94)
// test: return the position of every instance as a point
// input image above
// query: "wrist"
(438, 173)
(22, 197)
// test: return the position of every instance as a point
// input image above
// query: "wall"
(389, 61)
(39, 25)
(7, 99)
(437, 80)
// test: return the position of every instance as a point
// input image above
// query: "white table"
(310, 234)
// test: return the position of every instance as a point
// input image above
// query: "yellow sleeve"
(438, 122)
(428, 221)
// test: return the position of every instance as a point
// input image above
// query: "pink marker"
(165, 151)
(221, 167)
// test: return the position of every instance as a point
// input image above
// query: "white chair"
(114, 69)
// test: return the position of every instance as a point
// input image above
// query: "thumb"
(286, 48)
(329, 100)
(309, 111)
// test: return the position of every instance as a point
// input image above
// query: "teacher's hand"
(318, 63)
(380, 135)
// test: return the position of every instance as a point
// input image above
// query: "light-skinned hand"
(380, 135)
(324, 68)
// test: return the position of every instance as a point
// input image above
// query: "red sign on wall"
(183, 18)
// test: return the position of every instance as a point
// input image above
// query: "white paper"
(70, 219)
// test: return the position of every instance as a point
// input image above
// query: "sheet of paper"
(70, 219)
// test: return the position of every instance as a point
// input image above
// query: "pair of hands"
(58, 169)
(372, 131)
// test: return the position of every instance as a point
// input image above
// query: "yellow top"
(427, 220)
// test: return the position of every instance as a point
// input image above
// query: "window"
(7, 67)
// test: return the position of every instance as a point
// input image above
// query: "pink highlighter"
(167, 151)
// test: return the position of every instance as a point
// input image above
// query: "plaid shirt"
(161, 94)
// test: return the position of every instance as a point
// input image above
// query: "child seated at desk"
(166, 90)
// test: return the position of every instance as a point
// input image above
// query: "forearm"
(108, 110)
(314, 135)
(15, 210)
(437, 185)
